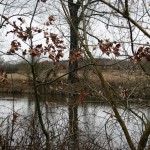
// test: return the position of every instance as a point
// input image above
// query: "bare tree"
(128, 27)
(120, 11)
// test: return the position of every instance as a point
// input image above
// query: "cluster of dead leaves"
(53, 46)
(15, 46)
(82, 96)
(76, 54)
(21, 33)
(108, 47)
(142, 52)
(50, 20)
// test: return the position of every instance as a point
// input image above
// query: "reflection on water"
(22, 105)
(72, 126)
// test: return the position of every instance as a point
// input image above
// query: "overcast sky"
(96, 27)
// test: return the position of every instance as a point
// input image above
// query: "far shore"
(124, 85)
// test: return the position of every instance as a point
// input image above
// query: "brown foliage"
(142, 52)
(76, 54)
(82, 96)
(108, 47)
(54, 46)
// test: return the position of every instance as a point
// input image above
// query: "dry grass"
(125, 79)
(110, 75)
(115, 76)
(17, 76)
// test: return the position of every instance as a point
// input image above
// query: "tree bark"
(73, 65)
(144, 138)
(37, 104)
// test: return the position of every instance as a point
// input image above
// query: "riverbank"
(124, 85)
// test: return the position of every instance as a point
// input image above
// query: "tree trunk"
(73, 10)
(37, 104)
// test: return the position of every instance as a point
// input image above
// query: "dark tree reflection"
(73, 127)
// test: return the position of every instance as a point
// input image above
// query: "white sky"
(98, 29)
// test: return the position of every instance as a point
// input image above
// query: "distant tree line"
(103, 63)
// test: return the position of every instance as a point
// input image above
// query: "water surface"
(88, 122)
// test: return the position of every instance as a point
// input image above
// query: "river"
(88, 125)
